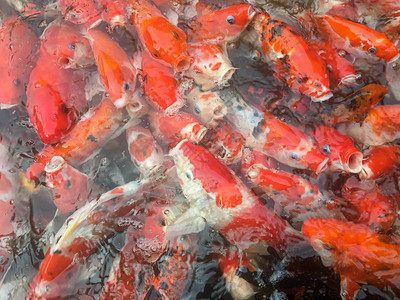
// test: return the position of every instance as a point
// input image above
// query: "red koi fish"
(225, 143)
(68, 47)
(379, 127)
(340, 69)
(145, 152)
(357, 39)
(355, 251)
(114, 11)
(296, 63)
(160, 85)
(85, 12)
(208, 107)
(69, 186)
(372, 207)
(227, 205)
(172, 129)
(163, 40)
(210, 66)
(379, 160)
(229, 263)
(55, 98)
(94, 129)
(80, 236)
(287, 144)
(356, 105)
(339, 148)
(117, 73)
(294, 193)
(17, 51)
(221, 26)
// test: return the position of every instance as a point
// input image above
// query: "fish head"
(80, 11)
(114, 12)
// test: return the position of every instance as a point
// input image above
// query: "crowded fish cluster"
(155, 149)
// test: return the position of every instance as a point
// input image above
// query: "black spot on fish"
(92, 138)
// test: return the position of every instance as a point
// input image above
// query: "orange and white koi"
(94, 129)
(163, 40)
(145, 152)
(173, 129)
(208, 107)
(210, 66)
(161, 88)
(356, 105)
(17, 52)
(117, 73)
(224, 142)
(296, 63)
(340, 69)
(355, 251)
(379, 127)
(69, 186)
(227, 205)
(372, 207)
(356, 39)
(86, 12)
(55, 98)
(70, 48)
(221, 26)
(379, 161)
(339, 148)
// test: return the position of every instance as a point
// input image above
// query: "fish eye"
(197, 109)
(106, 10)
(125, 86)
(230, 20)
(328, 247)
(16, 82)
(395, 66)
(372, 50)
(189, 175)
(326, 149)
(71, 46)
(155, 53)
(294, 156)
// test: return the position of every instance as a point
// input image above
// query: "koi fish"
(378, 161)
(296, 63)
(355, 251)
(55, 98)
(218, 196)
(17, 52)
(356, 105)
(221, 26)
(94, 129)
(379, 127)
(114, 11)
(208, 107)
(80, 236)
(340, 69)
(225, 143)
(339, 148)
(117, 73)
(145, 152)
(173, 129)
(160, 85)
(163, 40)
(357, 39)
(372, 207)
(344, 8)
(86, 12)
(69, 48)
(210, 66)
(70, 187)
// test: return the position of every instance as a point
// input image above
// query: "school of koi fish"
(154, 149)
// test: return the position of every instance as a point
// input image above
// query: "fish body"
(162, 40)
(117, 73)
(160, 85)
(295, 61)
(17, 51)
(355, 251)
(217, 195)
(55, 98)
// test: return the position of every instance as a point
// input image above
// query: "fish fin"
(188, 222)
